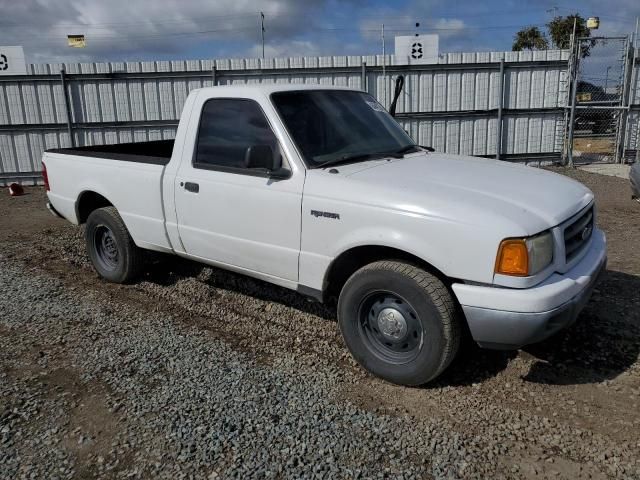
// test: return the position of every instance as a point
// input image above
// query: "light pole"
(384, 54)
(262, 31)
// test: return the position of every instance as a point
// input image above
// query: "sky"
(132, 30)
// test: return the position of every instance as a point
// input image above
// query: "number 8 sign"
(12, 61)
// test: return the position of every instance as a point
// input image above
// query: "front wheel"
(111, 249)
(399, 322)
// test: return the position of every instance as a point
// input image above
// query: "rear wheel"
(112, 251)
(399, 322)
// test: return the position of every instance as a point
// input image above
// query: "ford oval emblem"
(586, 233)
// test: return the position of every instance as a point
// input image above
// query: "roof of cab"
(273, 87)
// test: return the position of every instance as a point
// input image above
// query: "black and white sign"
(12, 61)
(418, 49)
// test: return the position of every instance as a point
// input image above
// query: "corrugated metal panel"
(633, 123)
(633, 134)
(6, 152)
(476, 136)
(480, 137)
(447, 87)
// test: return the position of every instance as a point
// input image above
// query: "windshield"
(339, 125)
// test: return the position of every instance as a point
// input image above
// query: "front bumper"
(504, 318)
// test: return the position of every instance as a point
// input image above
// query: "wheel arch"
(87, 202)
(354, 258)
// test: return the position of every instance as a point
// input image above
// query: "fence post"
(500, 106)
(621, 136)
(214, 80)
(572, 112)
(67, 104)
(638, 140)
(571, 65)
(363, 77)
(635, 67)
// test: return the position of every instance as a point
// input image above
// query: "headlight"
(523, 257)
(540, 250)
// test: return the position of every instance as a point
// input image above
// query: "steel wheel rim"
(106, 248)
(390, 327)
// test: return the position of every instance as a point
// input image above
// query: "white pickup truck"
(320, 190)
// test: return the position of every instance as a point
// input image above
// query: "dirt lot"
(195, 372)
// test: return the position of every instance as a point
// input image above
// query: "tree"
(561, 28)
(530, 38)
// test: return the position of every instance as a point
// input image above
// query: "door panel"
(231, 214)
(246, 221)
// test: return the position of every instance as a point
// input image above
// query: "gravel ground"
(198, 373)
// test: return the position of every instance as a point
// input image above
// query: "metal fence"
(631, 130)
(602, 115)
(504, 104)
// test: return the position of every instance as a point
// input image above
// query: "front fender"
(448, 246)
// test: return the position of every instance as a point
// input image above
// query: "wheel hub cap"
(109, 245)
(106, 248)
(392, 323)
(390, 327)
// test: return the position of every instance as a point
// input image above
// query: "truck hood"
(467, 189)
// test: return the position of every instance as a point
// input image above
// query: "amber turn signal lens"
(513, 258)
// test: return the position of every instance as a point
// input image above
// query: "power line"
(403, 28)
(207, 18)
(137, 23)
(396, 29)
(124, 35)
(117, 35)
(244, 15)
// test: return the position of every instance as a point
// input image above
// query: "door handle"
(191, 187)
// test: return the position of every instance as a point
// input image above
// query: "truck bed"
(156, 152)
(127, 175)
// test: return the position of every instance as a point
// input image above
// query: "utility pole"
(262, 28)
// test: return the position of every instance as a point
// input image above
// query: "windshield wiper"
(366, 156)
(350, 158)
(407, 149)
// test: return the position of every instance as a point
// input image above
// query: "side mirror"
(262, 157)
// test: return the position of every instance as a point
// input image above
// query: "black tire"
(379, 300)
(111, 249)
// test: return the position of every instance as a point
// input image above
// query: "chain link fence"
(601, 69)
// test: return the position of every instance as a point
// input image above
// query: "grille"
(577, 234)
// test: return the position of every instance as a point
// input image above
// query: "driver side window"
(228, 126)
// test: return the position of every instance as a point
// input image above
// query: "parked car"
(320, 190)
